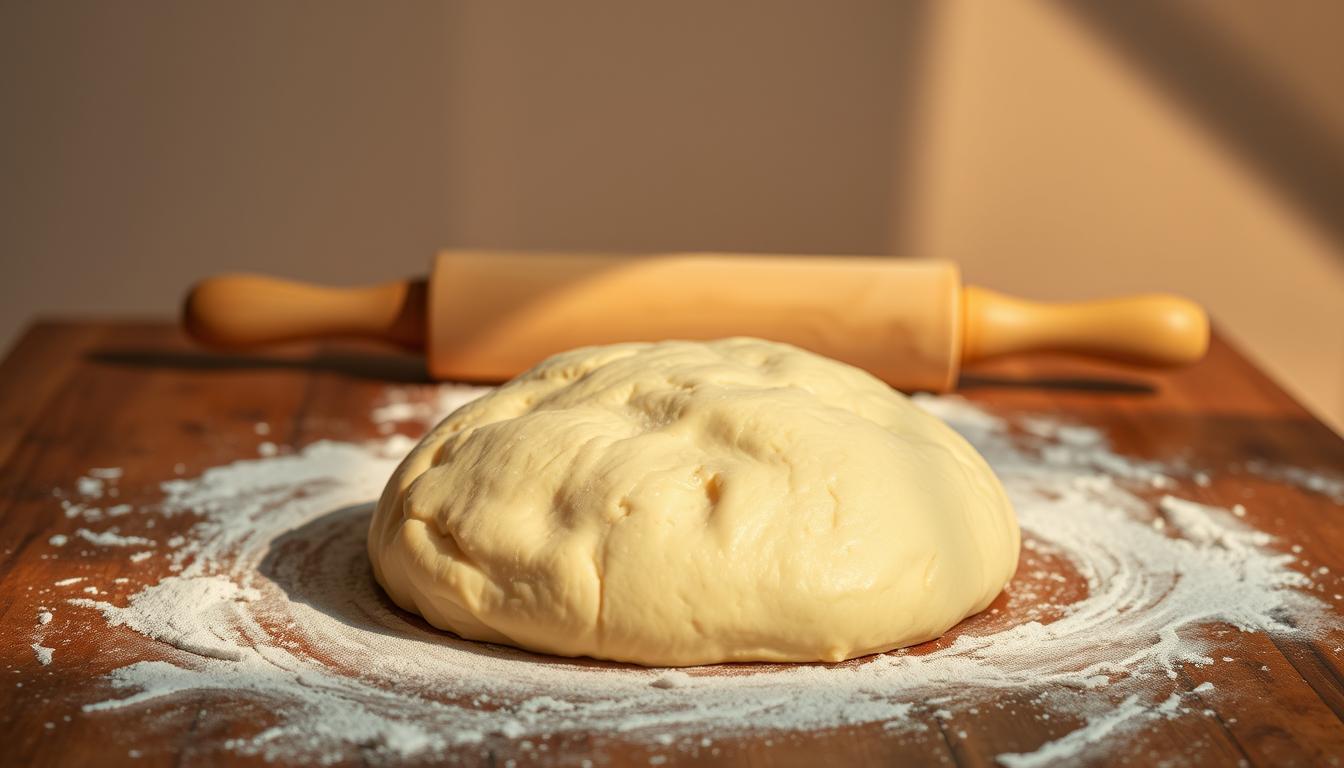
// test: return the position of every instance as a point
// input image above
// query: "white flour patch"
(1328, 484)
(195, 615)
(1094, 731)
(111, 538)
(403, 406)
(43, 653)
(89, 487)
(94, 485)
(273, 597)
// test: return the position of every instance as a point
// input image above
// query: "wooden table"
(135, 395)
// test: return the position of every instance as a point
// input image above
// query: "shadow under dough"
(324, 565)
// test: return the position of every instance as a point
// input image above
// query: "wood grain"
(134, 395)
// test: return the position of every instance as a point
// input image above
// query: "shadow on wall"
(1235, 96)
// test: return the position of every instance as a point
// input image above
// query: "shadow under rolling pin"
(490, 315)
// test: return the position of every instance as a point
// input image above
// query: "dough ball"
(688, 503)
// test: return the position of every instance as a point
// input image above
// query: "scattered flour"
(1325, 483)
(59, 540)
(272, 596)
(89, 487)
(110, 538)
(403, 406)
(44, 617)
(191, 614)
(1096, 729)
(43, 653)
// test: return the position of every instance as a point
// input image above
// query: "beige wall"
(146, 143)
(1054, 151)
(1061, 160)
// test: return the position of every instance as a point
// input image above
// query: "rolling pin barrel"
(497, 314)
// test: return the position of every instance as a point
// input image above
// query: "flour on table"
(185, 613)
(91, 489)
(1326, 483)
(402, 406)
(272, 597)
(43, 653)
(111, 538)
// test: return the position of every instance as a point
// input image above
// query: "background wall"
(1055, 149)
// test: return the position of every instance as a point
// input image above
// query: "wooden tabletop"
(135, 395)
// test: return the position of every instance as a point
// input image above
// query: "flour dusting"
(110, 538)
(186, 613)
(43, 653)
(271, 595)
(1326, 483)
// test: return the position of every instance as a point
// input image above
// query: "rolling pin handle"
(238, 311)
(1150, 329)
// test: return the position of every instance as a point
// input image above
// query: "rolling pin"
(490, 315)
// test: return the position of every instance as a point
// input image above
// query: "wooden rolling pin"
(489, 315)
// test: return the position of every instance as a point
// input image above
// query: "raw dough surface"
(687, 503)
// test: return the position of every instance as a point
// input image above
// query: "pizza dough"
(688, 503)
